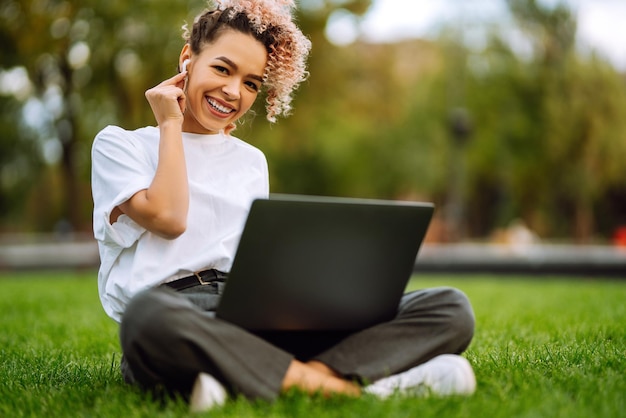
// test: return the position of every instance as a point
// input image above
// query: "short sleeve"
(122, 165)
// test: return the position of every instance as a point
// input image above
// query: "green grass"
(544, 347)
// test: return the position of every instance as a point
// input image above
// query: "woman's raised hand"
(167, 99)
(162, 208)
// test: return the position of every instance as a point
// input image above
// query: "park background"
(523, 130)
(510, 124)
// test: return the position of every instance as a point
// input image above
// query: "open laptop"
(322, 263)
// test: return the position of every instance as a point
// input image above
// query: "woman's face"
(223, 81)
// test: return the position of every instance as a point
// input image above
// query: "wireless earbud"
(184, 66)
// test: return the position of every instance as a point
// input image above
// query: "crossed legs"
(167, 341)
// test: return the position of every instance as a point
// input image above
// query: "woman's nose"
(231, 90)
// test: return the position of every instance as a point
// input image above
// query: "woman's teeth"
(218, 106)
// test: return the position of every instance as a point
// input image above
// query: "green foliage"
(20, 160)
(547, 140)
(89, 64)
(544, 347)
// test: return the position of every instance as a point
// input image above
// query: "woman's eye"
(221, 69)
(252, 85)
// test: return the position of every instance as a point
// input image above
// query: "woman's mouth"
(219, 108)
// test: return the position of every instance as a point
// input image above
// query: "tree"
(549, 136)
(547, 145)
(88, 63)
(20, 160)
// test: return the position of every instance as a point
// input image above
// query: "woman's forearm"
(163, 207)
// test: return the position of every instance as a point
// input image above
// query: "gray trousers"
(168, 337)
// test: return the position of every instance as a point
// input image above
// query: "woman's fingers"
(167, 99)
(176, 80)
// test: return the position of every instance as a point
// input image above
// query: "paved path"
(596, 260)
(38, 253)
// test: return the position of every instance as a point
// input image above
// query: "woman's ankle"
(317, 378)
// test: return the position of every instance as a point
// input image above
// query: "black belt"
(201, 278)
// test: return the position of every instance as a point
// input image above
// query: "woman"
(169, 206)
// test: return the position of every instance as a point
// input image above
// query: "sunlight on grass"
(543, 347)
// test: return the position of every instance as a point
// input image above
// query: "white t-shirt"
(225, 175)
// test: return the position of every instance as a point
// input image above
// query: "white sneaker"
(206, 393)
(447, 374)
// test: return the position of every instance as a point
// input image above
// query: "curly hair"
(271, 23)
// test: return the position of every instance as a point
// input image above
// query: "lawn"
(544, 347)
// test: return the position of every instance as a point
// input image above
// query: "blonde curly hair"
(271, 22)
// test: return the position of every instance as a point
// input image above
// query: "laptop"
(311, 263)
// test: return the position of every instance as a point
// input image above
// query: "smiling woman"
(171, 199)
(223, 81)
(170, 202)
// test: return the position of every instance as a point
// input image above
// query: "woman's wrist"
(171, 126)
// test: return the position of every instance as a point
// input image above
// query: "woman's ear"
(184, 58)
